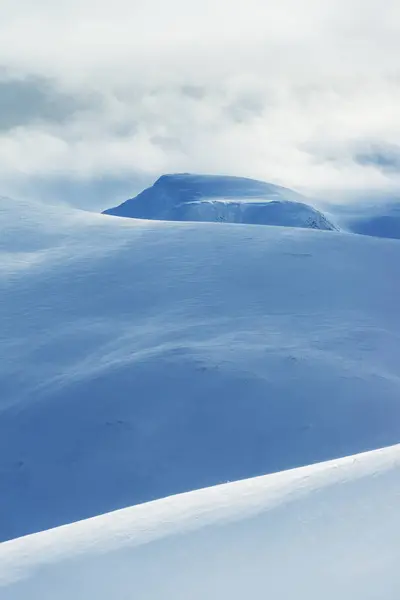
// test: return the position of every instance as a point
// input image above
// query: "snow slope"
(327, 531)
(145, 358)
(186, 197)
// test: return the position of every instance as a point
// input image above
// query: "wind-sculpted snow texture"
(185, 197)
(144, 358)
(326, 531)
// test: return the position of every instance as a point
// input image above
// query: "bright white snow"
(329, 531)
(145, 358)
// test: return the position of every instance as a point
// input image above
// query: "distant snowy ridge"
(378, 219)
(327, 531)
(213, 198)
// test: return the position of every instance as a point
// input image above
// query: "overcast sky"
(304, 93)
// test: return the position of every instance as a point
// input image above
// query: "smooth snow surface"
(330, 531)
(145, 358)
(215, 198)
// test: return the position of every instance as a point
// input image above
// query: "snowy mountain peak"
(218, 198)
(228, 185)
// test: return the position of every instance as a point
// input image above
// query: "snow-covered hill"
(380, 220)
(145, 358)
(185, 197)
(327, 531)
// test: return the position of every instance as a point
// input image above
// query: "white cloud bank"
(291, 91)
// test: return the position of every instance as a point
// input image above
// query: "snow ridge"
(324, 531)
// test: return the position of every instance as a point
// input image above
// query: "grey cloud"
(197, 92)
(385, 157)
(166, 143)
(276, 91)
(34, 99)
(246, 107)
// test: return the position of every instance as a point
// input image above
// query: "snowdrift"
(327, 531)
(186, 197)
(143, 358)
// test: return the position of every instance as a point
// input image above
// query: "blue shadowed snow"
(382, 221)
(145, 358)
(185, 197)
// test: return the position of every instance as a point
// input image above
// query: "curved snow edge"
(220, 504)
